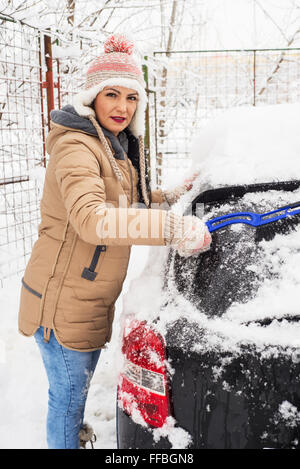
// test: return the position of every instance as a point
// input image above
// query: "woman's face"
(115, 107)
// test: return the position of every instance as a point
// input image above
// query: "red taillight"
(143, 383)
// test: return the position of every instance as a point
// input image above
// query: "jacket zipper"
(89, 272)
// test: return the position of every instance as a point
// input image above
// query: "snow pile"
(248, 145)
(143, 300)
(178, 437)
(59, 52)
(289, 413)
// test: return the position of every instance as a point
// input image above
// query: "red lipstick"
(118, 119)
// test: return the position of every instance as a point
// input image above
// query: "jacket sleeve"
(82, 188)
(157, 197)
(166, 197)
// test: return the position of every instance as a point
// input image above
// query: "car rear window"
(244, 262)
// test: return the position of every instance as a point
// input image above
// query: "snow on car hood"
(245, 146)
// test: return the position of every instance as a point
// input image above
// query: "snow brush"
(253, 219)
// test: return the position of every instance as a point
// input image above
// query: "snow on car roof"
(250, 144)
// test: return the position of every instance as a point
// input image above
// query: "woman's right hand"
(187, 234)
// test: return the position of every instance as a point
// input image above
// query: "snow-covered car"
(211, 343)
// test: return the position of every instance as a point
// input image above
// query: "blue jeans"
(69, 373)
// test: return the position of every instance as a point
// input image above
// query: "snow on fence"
(191, 87)
(22, 137)
(41, 70)
(38, 72)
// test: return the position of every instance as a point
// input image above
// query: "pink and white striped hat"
(116, 67)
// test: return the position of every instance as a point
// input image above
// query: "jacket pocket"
(29, 312)
(89, 272)
(34, 292)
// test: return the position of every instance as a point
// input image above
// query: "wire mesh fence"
(40, 71)
(193, 87)
(22, 137)
(69, 64)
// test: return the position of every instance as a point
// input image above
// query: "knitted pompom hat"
(116, 67)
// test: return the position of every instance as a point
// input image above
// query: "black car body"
(224, 393)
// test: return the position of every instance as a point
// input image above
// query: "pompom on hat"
(116, 67)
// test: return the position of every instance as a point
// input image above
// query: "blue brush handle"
(251, 218)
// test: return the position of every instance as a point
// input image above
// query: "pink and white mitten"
(187, 234)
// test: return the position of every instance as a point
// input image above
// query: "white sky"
(233, 24)
(243, 23)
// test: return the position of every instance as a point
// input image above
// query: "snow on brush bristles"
(118, 43)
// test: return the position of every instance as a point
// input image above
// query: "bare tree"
(163, 81)
(288, 40)
(71, 12)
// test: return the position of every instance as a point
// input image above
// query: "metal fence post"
(48, 84)
(254, 77)
(42, 99)
(147, 121)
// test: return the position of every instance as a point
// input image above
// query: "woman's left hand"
(188, 183)
(173, 195)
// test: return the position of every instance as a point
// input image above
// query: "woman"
(79, 261)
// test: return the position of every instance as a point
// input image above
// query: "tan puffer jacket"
(79, 261)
